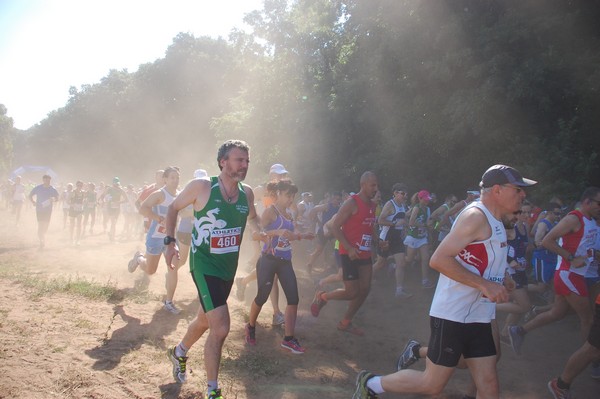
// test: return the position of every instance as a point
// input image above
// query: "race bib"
(115, 205)
(365, 243)
(78, 207)
(91, 205)
(223, 241)
(283, 244)
(160, 232)
(47, 203)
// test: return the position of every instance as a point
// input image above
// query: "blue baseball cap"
(502, 174)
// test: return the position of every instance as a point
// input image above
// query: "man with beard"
(222, 205)
(353, 227)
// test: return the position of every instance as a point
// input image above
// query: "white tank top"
(399, 213)
(157, 230)
(463, 304)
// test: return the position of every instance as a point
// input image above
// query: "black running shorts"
(350, 267)
(449, 340)
(212, 291)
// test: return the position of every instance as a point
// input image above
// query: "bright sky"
(46, 46)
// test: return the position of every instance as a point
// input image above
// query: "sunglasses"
(517, 189)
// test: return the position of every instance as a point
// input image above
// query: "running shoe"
(407, 357)
(278, 319)
(350, 329)
(293, 346)
(215, 394)
(170, 307)
(596, 370)
(240, 289)
(317, 304)
(516, 339)
(362, 391)
(402, 294)
(179, 364)
(134, 262)
(250, 334)
(557, 392)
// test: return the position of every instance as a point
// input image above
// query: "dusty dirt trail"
(64, 346)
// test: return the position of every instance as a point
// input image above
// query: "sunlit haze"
(48, 46)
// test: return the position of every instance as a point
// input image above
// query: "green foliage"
(428, 93)
(6, 141)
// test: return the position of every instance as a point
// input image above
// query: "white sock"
(181, 350)
(374, 384)
(212, 385)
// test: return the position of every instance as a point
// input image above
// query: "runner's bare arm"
(146, 207)
(471, 226)
(568, 224)
(387, 210)
(312, 215)
(347, 209)
(253, 219)
(195, 192)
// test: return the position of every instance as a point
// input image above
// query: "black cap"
(502, 174)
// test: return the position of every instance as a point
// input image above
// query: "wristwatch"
(168, 240)
(570, 257)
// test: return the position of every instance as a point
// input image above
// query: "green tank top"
(422, 216)
(217, 234)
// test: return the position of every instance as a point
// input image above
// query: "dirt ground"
(64, 346)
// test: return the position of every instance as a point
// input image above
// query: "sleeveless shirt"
(217, 234)
(579, 243)
(463, 304)
(157, 230)
(279, 246)
(359, 228)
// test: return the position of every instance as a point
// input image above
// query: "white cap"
(278, 169)
(199, 173)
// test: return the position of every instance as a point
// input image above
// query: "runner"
(276, 259)
(155, 209)
(45, 195)
(184, 240)
(471, 261)
(65, 199)
(393, 221)
(577, 231)
(89, 212)
(276, 173)
(113, 197)
(416, 236)
(18, 198)
(222, 205)
(76, 207)
(353, 227)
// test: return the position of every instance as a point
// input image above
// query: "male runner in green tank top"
(222, 205)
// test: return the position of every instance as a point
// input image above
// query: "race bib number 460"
(223, 241)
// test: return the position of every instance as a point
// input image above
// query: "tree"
(6, 141)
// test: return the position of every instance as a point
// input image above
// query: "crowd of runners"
(484, 251)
